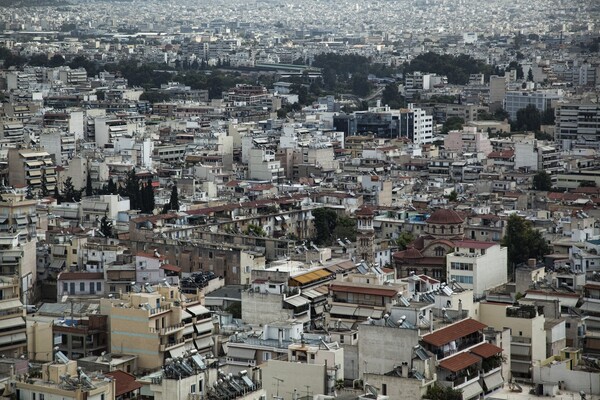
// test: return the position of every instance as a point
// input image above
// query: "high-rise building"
(515, 100)
(578, 125)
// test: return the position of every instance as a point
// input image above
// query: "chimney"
(430, 320)
(404, 369)
(532, 262)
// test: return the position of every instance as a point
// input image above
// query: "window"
(81, 286)
(74, 251)
(41, 396)
(193, 388)
(33, 396)
(65, 287)
(266, 356)
(98, 286)
(463, 279)
(113, 288)
(439, 251)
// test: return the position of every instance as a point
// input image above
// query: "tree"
(453, 196)
(131, 190)
(106, 227)
(452, 124)
(69, 191)
(173, 203)
(530, 75)
(523, 242)
(588, 184)
(528, 119)
(548, 117)
(542, 181)
(44, 187)
(148, 198)
(89, 190)
(29, 193)
(404, 240)
(438, 392)
(111, 187)
(391, 96)
(57, 60)
(57, 195)
(325, 222)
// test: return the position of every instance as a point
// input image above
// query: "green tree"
(530, 75)
(111, 187)
(523, 242)
(391, 96)
(452, 124)
(106, 227)
(44, 187)
(345, 227)
(148, 196)
(438, 392)
(548, 117)
(360, 85)
(57, 60)
(453, 196)
(528, 119)
(588, 184)
(174, 201)
(542, 181)
(404, 240)
(131, 190)
(89, 190)
(69, 192)
(29, 193)
(325, 222)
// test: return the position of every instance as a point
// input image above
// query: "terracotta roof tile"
(453, 332)
(459, 362)
(486, 350)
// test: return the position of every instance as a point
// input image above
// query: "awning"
(3, 219)
(493, 381)
(589, 306)
(520, 350)
(35, 172)
(342, 310)
(520, 367)
(13, 338)
(177, 352)
(188, 330)
(297, 301)
(12, 323)
(197, 310)
(22, 220)
(312, 294)
(486, 350)
(204, 343)
(471, 391)
(33, 219)
(7, 305)
(241, 353)
(204, 327)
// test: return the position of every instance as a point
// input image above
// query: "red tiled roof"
(486, 350)
(170, 267)
(506, 154)
(459, 362)
(453, 332)
(124, 382)
(445, 216)
(69, 276)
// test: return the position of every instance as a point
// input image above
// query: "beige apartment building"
(156, 323)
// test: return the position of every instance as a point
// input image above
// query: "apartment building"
(156, 323)
(476, 265)
(13, 340)
(33, 168)
(515, 100)
(578, 125)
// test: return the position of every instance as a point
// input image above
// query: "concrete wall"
(381, 348)
(396, 387)
(295, 376)
(263, 308)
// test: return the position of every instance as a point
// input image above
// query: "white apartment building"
(477, 265)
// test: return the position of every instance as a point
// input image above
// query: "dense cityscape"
(311, 200)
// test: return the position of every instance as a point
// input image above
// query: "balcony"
(168, 330)
(172, 344)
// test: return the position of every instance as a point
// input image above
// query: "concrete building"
(156, 323)
(476, 265)
(31, 167)
(541, 99)
(577, 125)
(528, 337)
(12, 332)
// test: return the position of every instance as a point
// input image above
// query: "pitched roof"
(486, 350)
(125, 383)
(459, 362)
(80, 276)
(453, 332)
